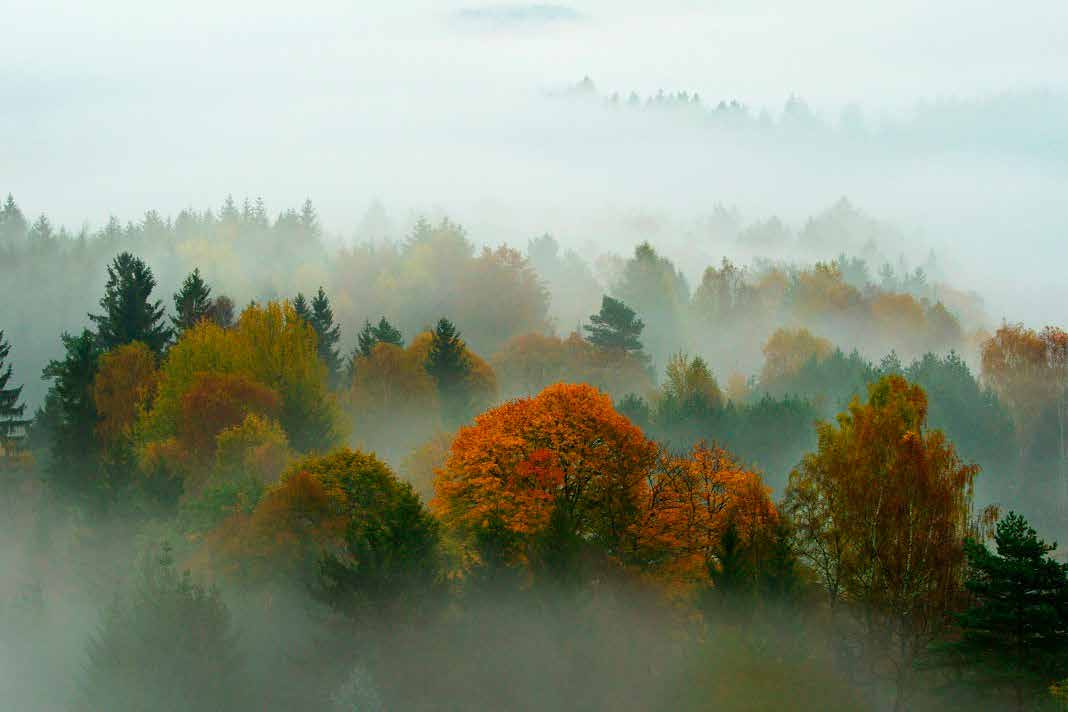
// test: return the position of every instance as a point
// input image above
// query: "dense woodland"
(247, 466)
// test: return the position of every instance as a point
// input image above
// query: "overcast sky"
(113, 106)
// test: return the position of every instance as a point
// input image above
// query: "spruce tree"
(11, 411)
(615, 328)
(322, 320)
(1016, 633)
(71, 415)
(448, 364)
(385, 333)
(368, 337)
(300, 306)
(168, 646)
(192, 302)
(13, 225)
(128, 314)
(730, 573)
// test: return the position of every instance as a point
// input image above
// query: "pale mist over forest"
(567, 355)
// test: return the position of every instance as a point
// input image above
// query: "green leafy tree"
(11, 411)
(615, 328)
(168, 646)
(71, 411)
(192, 302)
(128, 315)
(328, 333)
(1016, 633)
(449, 366)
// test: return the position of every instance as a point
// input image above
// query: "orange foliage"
(787, 350)
(565, 447)
(690, 503)
(123, 387)
(217, 401)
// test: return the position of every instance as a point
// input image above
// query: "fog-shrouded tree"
(13, 223)
(615, 328)
(1015, 634)
(128, 314)
(11, 410)
(192, 302)
(300, 306)
(449, 365)
(222, 311)
(71, 414)
(170, 645)
(328, 334)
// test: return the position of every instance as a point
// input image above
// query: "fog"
(797, 200)
(115, 108)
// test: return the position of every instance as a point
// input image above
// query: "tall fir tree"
(449, 366)
(128, 314)
(70, 413)
(615, 328)
(191, 303)
(300, 306)
(13, 225)
(1016, 633)
(11, 411)
(328, 333)
(386, 333)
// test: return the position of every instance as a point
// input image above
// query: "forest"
(247, 464)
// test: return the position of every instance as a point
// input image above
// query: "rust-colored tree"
(881, 510)
(124, 386)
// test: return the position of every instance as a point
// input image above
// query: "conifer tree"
(1016, 634)
(128, 315)
(368, 337)
(71, 414)
(322, 320)
(13, 223)
(615, 328)
(385, 333)
(448, 364)
(192, 302)
(300, 306)
(11, 411)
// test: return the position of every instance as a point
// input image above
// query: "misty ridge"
(274, 469)
(364, 357)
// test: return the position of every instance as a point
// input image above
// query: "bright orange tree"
(565, 450)
(691, 500)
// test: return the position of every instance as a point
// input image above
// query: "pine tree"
(13, 223)
(192, 302)
(322, 320)
(365, 341)
(71, 415)
(168, 646)
(448, 364)
(128, 313)
(300, 306)
(385, 333)
(309, 220)
(11, 411)
(1016, 634)
(730, 572)
(615, 328)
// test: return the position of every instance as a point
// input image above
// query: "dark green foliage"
(448, 364)
(328, 333)
(72, 413)
(558, 551)
(128, 315)
(1016, 633)
(11, 411)
(615, 328)
(368, 337)
(652, 286)
(636, 410)
(390, 560)
(192, 302)
(12, 224)
(300, 306)
(778, 572)
(168, 646)
(730, 572)
(829, 383)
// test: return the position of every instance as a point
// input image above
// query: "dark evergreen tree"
(365, 341)
(72, 415)
(1016, 633)
(300, 306)
(368, 337)
(192, 302)
(616, 327)
(168, 646)
(13, 224)
(11, 411)
(128, 314)
(328, 333)
(385, 333)
(448, 364)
